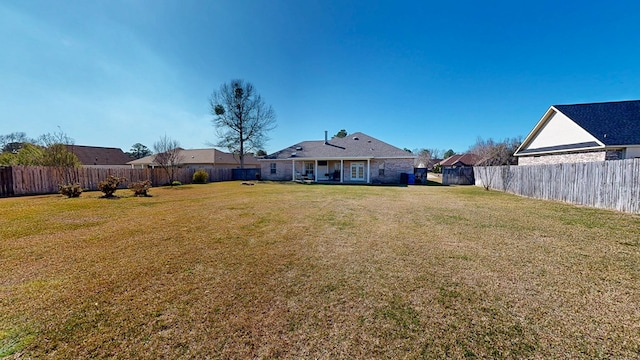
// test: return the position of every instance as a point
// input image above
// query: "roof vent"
(356, 138)
(293, 154)
(298, 148)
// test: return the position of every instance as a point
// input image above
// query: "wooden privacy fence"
(458, 176)
(35, 180)
(605, 184)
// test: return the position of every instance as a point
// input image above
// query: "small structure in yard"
(584, 133)
(356, 158)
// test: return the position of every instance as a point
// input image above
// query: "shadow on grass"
(431, 183)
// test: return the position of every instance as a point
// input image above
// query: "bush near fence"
(37, 180)
(613, 184)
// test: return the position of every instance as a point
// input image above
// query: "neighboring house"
(463, 160)
(200, 159)
(458, 169)
(96, 156)
(428, 164)
(356, 158)
(582, 133)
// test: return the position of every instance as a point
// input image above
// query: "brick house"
(356, 158)
(583, 133)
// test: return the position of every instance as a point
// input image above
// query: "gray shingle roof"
(356, 145)
(612, 123)
(201, 156)
(463, 159)
(97, 155)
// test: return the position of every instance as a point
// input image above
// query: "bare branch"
(241, 118)
(168, 155)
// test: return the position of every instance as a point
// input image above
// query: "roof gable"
(612, 123)
(583, 127)
(356, 145)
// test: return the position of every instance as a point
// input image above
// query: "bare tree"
(51, 149)
(168, 155)
(436, 153)
(493, 153)
(58, 153)
(423, 156)
(241, 118)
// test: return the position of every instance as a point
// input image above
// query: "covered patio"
(332, 170)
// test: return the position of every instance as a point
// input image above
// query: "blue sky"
(416, 74)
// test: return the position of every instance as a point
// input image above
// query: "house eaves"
(355, 146)
(587, 146)
(335, 158)
(612, 125)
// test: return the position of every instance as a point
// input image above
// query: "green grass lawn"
(310, 271)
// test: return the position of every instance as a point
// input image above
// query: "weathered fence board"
(35, 180)
(613, 184)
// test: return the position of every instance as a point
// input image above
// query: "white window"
(357, 171)
(308, 168)
(273, 168)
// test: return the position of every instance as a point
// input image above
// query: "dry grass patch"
(310, 271)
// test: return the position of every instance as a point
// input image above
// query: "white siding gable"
(559, 130)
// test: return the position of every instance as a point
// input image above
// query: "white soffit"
(559, 130)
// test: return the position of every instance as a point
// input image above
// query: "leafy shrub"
(437, 169)
(176, 183)
(140, 188)
(70, 190)
(200, 177)
(109, 186)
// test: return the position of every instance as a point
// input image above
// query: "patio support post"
(293, 170)
(315, 171)
(368, 170)
(341, 170)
